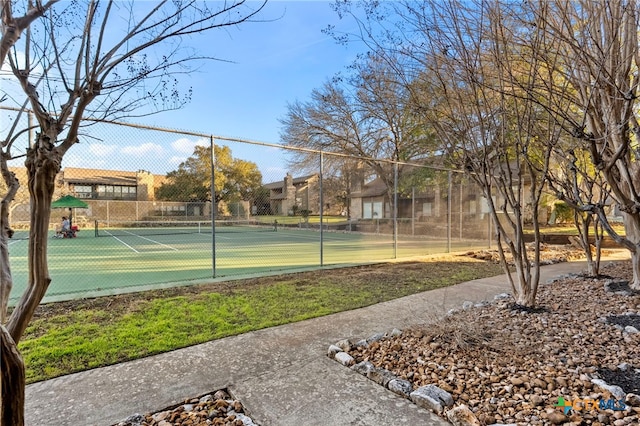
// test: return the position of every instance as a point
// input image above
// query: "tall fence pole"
(449, 194)
(395, 210)
(413, 210)
(321, 199)
(460, 208)
(214, 207)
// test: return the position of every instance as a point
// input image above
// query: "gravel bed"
(506, 365)
(217, 408)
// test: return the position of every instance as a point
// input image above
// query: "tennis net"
(142, 228)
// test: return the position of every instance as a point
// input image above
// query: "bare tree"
(575, 181)
(466, 77)
(94, 59)
(365, 115)
(592, 52)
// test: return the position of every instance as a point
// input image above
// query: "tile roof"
(375, 188)
(108, 177)
(300, 179)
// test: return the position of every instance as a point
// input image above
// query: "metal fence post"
(460, 204)
(395, 210)
(214, 207)
(449, 194)
(321, 198)
(413, 210)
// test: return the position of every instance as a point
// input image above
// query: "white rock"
(616, 391)
(333, 350)
(395, 332)
(375, 338)
(381, 376)
(344, 359)
(399, 386)
(363, 367)
(246, 420)
(432, 398)
(362, 344)
(345, 345)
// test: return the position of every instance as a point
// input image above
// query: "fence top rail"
(249, 141)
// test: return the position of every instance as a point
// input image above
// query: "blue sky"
(264, 66)
(273, 63)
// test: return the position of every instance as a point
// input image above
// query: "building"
(97, 184)
(292, 195)
(369, 200)
(111, 195)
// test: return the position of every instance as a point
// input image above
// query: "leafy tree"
(261, 203)
(71, 60)
(235, 179)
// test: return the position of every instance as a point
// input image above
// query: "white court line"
(145, 238)
(123, 243)
(157, 242)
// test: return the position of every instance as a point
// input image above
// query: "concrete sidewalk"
(282, 375)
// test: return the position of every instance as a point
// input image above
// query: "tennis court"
(124, 259)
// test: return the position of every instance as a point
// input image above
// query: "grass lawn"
(67, 337)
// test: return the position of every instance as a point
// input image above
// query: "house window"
(116, 192)
(82, 191)
(129, 192)
(366, 210)
(372, 210)
(377, 210)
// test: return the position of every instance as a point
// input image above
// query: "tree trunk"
(6, 281)
(583, 227)
(12, 378)
(43, 164)
(635, 263)
(526, 288)
(526, 298)
(525, 284)
(598, 235)
(633, 236)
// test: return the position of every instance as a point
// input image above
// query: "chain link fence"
(150, 219)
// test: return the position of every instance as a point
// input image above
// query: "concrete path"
(282, 374)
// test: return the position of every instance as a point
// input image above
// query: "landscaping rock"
(432, 398)
(462, 416)
(401, 387)
(381, 376)
(344, 359)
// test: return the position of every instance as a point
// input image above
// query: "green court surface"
(118, 262)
